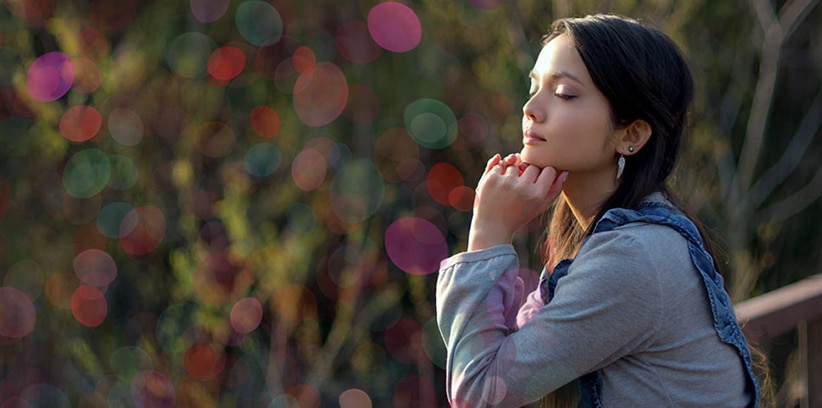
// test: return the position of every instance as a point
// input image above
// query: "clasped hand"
(510, 194)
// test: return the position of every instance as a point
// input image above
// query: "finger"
(529, 172)
(512, 170)
(493, 161)
(509, 160)
(556, 185)
(546, 178)
(522, 166)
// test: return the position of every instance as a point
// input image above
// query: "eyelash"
(565, 97)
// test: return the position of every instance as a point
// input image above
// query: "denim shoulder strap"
(724, 317)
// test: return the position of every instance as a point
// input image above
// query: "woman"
(630, 310)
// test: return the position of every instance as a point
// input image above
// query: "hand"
(510, 193)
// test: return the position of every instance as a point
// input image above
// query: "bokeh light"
(35, 12)
(443, 178)
(246, 315)
(188, 54)
(111, 217)
(95, 267)
(415, 245)
(202, 360)
(226, 62)
(264, 121)
(151, 388)
(27, 276)
(431, 123)
(89, 306)
(142, 230)
(80, 123)
(394, 26)
(87, 76)
(320, 94)
(50, 76)
(17, 314)
(59, 288)
(262, 159)
(259, 23)
(308, 169)
(87, 173)
(304, 60)
(125, 126)
(355, 398)
(208, 11)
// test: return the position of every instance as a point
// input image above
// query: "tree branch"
(794, 203)
(793, 13)
(791, 157)
(763, 95)
(776, 30)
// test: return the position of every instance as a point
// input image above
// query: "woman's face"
(566, 123)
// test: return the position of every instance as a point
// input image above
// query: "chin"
(528, 156)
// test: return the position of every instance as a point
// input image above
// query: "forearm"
(478, 295)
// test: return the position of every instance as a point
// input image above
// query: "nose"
(532, 111)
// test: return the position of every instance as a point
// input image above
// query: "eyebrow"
(559, 75)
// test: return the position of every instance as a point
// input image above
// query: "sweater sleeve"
(606, 307)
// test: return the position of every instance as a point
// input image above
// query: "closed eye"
(566, 97)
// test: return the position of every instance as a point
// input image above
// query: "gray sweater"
(632, 306)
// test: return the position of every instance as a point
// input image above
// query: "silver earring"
(620, 166)
(630, 149)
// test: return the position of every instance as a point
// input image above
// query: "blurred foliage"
(213, 203)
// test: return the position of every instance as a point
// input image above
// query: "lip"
(529, 137)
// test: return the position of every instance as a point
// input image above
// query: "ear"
(633, 137)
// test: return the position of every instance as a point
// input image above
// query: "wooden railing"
(797, 306)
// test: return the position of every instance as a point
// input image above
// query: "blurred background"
(244, 203)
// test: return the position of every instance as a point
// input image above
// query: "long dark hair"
(644, 76)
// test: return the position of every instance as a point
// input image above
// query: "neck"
(585, 196)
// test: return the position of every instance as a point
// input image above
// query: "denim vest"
(725, 324)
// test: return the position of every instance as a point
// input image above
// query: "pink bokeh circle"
(17, 314)
(415, 245)
(394, 26)
(50, 76)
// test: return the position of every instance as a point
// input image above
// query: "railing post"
(814, 363)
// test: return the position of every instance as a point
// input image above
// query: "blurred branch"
(775, 30)
(791, 158)
(729, 112)
(763, 94)
(794, 203)
(793, 13)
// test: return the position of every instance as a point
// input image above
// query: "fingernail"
(565, 176)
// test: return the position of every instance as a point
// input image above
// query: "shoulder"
(636, 259)
(638, 241)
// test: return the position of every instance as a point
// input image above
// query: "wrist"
(487, 236)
